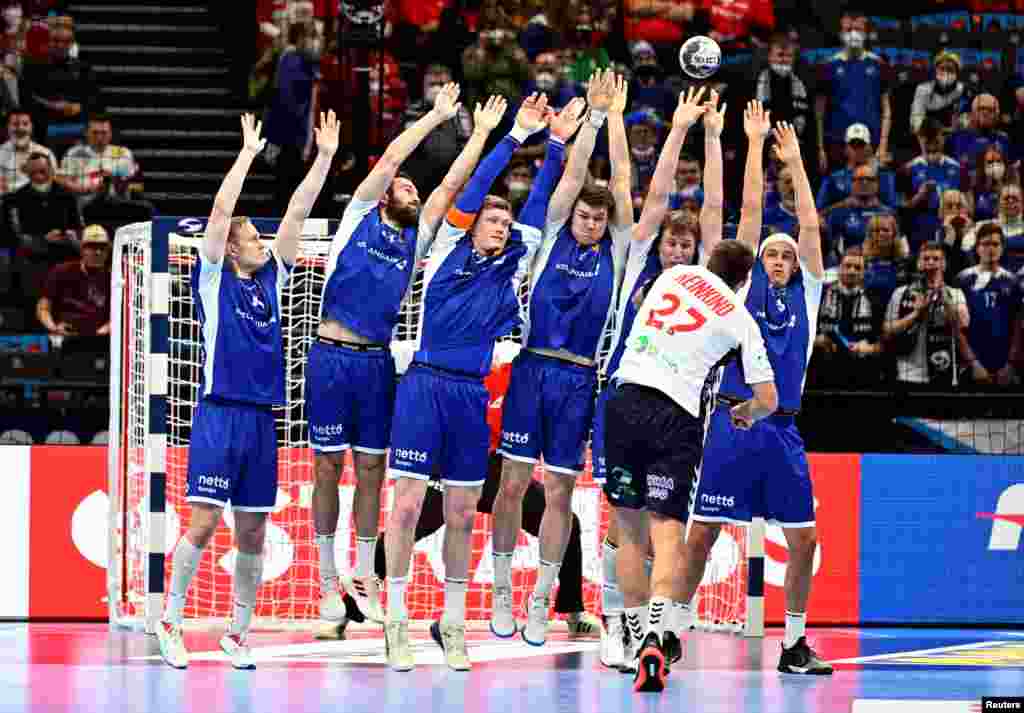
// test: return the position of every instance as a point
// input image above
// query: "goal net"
(156, 362)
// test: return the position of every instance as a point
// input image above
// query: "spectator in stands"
(546, 76)
(648, 88)
(518, 182)
(941, 99)
(955, 230)
(663, 23)
(43, 221)
(538, 35)
(1011, 222)
(848, 345)
(991, 173)
(780, 215)
(886, 266)
(585, 45)
(62, 93)
(86, 166)
(289, 116)
(780, 90)
(965, 145)
(16, 150)
(495, 64)
(848, 220)
(838, 186)
(687, 188)
(429, 163)
(854, 88)
(644, 128)
(76, 297)
(923, 324)
(741, 23)
(931, 174)
(994, 296)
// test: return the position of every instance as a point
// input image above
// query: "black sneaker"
(673, 648)
(800, 658)
(650, 671)
(352, 612)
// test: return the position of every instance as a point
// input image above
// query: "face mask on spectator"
(494, 37)
(995, 171)
(643, 153)
(782, 70)
(518, 189)
(42, 187)
(22, 137)
(12, 18)
(546, 81)
(945, 79)
(854, 39)
(374, 86)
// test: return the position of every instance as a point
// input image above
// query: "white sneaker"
(613, 642)
(503, 623)
(535, 633)
(584, 625)
(452, 640)
(172, 646)
(332, 606)
(234, 646)
(366, 593)
(396, 644)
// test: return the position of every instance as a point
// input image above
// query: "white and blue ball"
(700, 57)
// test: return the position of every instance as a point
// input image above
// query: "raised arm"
(688, 111)
(713, 208)
(562, 126)
(787, 150)
(287, 243)
(621, 183)
(485, 119)
(230, 188)
(757, 125)
(600, 93)
(376, 183)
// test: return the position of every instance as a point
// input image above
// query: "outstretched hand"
(251, 129)
(756, 121)
(689, 108)
(533, 113)
(787, 145)
(601, 90)
(489, 116)
(564, 124)
(446, 105)
(621, 94)
(714, 118)
(327, 133)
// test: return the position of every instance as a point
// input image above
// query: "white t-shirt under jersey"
(688, 324)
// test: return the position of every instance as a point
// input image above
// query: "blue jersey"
(788, 320)
(838, 186)
(965, 145)
(1013, 254)
(642, 266)
(847, 227)
(571, 296)
(369, 268)
(986, 205)
(777, 219)
(240, 326)
(993, 301)
(855, 93)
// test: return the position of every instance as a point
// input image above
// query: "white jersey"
(690, 324)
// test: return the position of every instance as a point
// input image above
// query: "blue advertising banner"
(940, 539)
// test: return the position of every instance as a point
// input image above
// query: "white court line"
(940, 649)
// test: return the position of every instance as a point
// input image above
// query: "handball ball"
(700, 57)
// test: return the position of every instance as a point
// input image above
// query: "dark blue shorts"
(600, 472)
(548, 411)
(440, 427)
(232, 456)
(350, 398)
(759, 472)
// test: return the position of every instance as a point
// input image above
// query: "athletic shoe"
(234, 646)
(613, 642)
(650, 672)
(800, 658)
(535, 633)
(452, 640)
(332, 607)
(366, 593)
(583, 625)
(503, 623)
(172, 646)
(396, 644)
(331, 631)
(673, 648)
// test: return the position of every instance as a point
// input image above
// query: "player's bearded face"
(780, 264)
(403, 204)
(589, 223)
(676, 249)
(491, 231)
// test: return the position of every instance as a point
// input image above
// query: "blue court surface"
(88, 667)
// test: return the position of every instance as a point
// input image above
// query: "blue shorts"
(440, 428)
(762, 471)
(549, 409)
(232, 456)
(350, 396)
(597, 459)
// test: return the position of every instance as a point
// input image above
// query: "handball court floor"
(90, 667)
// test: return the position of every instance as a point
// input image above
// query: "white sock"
(795, 624)
(658, 611)
(546, 578)
(183, 567)
(636, 623)
(328, 570)
(503, 569)
(366, 550)
(682, 617)
(611, 596)
(248, 572)
(396, 598)
(454, 601)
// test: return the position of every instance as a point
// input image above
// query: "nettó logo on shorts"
(408, 454)
(513, 437)
(723, 500)
(214, 481)
(334, 429)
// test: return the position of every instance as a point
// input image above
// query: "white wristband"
(519, 133)
(597, 117)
